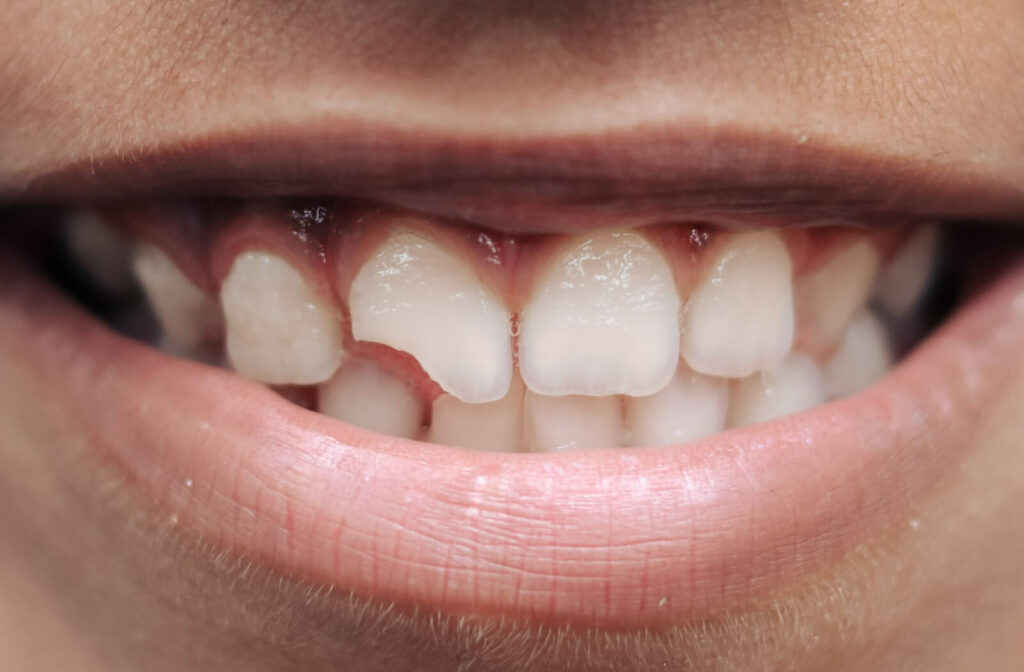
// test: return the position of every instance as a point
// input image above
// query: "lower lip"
(632, 537)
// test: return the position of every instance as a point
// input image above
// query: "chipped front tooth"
(863, 357)
(279, 329)
(792, 385)
(740, 319)
(417, 297)
(496, 426)
(690, 407)
(100, 251)
(555, 424)
(365, 395)
(188, 315)
(904, 279)
(829, 296)
(603, 320)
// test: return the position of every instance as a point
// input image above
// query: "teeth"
(364, 395)
(792, 385)
(496, 426)
(833, 293)
(414, 296)
(555, 424)
(740, 319)
(100, 251)
(690, 407)
(279, 329)
(603, 320)
(905, 277)
(188, 315)
(863, 356)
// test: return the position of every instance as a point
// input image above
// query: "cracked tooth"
(904, 279)
(740, 319)
(188, 315)
(604, 319)
(690, 407)
(415, 296)
(863, 357)
(792, 385)
(830, 295)
(496, 426)
(365, 395)
(279, 329)
(556, 424)
(102, 253)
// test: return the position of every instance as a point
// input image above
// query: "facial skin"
(95, 577)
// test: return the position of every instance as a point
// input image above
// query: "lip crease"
(620, 538)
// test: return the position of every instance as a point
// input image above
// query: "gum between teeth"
(604, 339)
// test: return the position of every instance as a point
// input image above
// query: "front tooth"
(555, 424)
(740, 319)
(496, 426)
(603, 320)
(279, 329)
(904, 279)
(864, 356)
(364, 395)
(792, 385)
(101, 252)
(415, 296)
(690, 407)
(831, 294)
(188, 315)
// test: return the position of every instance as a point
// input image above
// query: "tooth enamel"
(690, 407)
(279, 329)
(603, 320)
(831, 294)
(864, 356)
(740, 319)
(363, 394)
(496, 426)
(792, 385)
(555, 424)
(415, 296)
(188, 315)
(100, 251)
(904, 279)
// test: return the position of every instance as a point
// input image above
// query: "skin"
(94, 577)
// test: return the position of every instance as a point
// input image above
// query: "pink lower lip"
(618, 538)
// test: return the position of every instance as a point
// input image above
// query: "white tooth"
(830, 295)
(864, 356)
(555, 424)
(496, 426)
(905, 277)
(415, 296)
(103, 254)
(604, 319)
(792, 385)
(364, 395)
(188, 315)
(279, 329)
(690, 407)
(740, 319)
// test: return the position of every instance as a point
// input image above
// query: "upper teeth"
(829, 296)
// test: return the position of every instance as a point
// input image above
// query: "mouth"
(594, 403)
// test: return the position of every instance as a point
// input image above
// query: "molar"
(101, 252)
(363, 394)
(793, 385)
(690, 407)
(904, 279)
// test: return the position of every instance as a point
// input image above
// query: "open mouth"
(625, 423)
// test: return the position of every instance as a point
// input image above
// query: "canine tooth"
(603, 320)
(363, 394)
(279, 329)
(102, 252)
(830, 295)
(690, 407)
(555, 424)
(415, 296)
(864, 356)
(496, 426)
(904, 279)
(188, 315)
(792, 385)
(740, 319)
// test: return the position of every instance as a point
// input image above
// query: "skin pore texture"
(95, 575)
